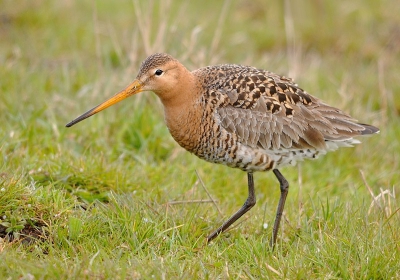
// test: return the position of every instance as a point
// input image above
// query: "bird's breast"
(184, 124)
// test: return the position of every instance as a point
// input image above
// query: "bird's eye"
(158, 72)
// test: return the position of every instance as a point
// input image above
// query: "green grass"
(94, 201)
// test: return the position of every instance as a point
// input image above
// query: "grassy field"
(116, 198)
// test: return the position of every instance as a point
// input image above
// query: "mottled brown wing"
(274, 124)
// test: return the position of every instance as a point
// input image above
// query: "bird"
(242, 117)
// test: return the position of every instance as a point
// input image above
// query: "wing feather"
(306, 128)
(268, 111)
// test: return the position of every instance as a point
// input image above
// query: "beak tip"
(71, 123)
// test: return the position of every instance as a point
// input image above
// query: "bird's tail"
(368, 129)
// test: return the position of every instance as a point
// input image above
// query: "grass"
(98, 201)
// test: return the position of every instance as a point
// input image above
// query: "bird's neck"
(183, 116)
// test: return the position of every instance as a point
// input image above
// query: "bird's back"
(265, 113)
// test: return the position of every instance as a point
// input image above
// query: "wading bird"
(242, 117)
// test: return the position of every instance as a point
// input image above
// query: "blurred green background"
(81, 198)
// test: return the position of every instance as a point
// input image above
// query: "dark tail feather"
(368, 129)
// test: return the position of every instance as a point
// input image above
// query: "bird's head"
(159, 73)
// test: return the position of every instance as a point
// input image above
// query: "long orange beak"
(132, 89)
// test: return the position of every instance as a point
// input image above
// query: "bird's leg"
(250, 202)
(284, 186)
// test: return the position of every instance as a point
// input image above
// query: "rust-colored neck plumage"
(182, 110)
(181, 93)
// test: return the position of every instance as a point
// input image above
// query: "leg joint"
(250, 201)
(283, 183)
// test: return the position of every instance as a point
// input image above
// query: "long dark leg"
(284, 186)
(250, 202)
